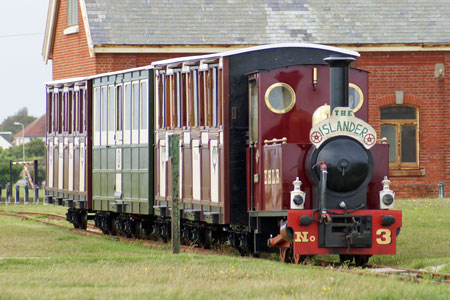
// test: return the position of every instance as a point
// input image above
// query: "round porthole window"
(355, 97)
(280, 98)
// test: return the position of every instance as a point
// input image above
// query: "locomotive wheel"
(298, 259)
(286, 255)
(345, 258)
(361, 260)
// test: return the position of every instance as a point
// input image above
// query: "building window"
(72, 13)
(400, 125)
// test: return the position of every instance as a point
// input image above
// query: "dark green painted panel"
(136, 208)
(96, 158)
(135, 158)
(126, 185)
(104, 185)
(111, 159)
(135, 185)
(111, 184)
(96, 184)
(96, 204)
(126, 158)
(103, 159)
(143, 158)
(143, 185)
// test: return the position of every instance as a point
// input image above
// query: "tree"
(20, 116)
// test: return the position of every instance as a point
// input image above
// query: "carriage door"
(119, 139)
(255, 155)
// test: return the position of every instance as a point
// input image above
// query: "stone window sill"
(72, 29)
(407, 172)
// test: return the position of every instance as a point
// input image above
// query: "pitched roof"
(34, 129)
(256, 22)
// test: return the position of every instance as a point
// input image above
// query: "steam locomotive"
(275, 153)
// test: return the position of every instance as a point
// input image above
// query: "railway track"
(372, 270)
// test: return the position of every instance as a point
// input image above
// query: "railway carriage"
(266, 164)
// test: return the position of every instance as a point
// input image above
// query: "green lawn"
(38, 261)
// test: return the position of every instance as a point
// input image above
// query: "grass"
(42, 262)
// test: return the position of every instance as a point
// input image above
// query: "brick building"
(404, 45)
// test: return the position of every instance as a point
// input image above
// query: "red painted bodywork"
(295, 126)
(310, 245)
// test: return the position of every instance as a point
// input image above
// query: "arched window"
(400, 125)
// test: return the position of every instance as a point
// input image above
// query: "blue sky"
(23, 71)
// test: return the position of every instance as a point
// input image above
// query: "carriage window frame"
(111, 108)
(128, 105)
(177, 93)
(119, 107)
(82, 108)
(50, 111)
(398, 124)
(76, 109)
(136, 104)
(144, 104)
(253, 109)
(285, 109)
(215, 98)
(196, 97)
(104, 108)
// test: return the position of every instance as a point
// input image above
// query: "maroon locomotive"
(276, 154)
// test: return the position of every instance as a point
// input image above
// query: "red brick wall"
(70, 52)
(71, 56)
(413, 73)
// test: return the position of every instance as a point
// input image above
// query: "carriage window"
(253, 109)
(119, 101)
(136, 104)
(173, 102)
(189, 100)
(355, 97)
(112, 109)
(127, 115)
(159, 101)
(220, 97)
(104, 107)
(97, 109)
(196, 98)
(60, 112)
(167, 101)
(69, 111)
(76, 112)
(399, 124)
(202, 95)
(144, 105)
(82, 115)
(214, 97)
(280, 98)
(50, 111)
(178, 99)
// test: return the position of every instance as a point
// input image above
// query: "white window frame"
(143, 138)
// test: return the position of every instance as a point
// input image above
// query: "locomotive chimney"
(338, 80)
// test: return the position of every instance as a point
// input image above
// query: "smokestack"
(338, 80)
